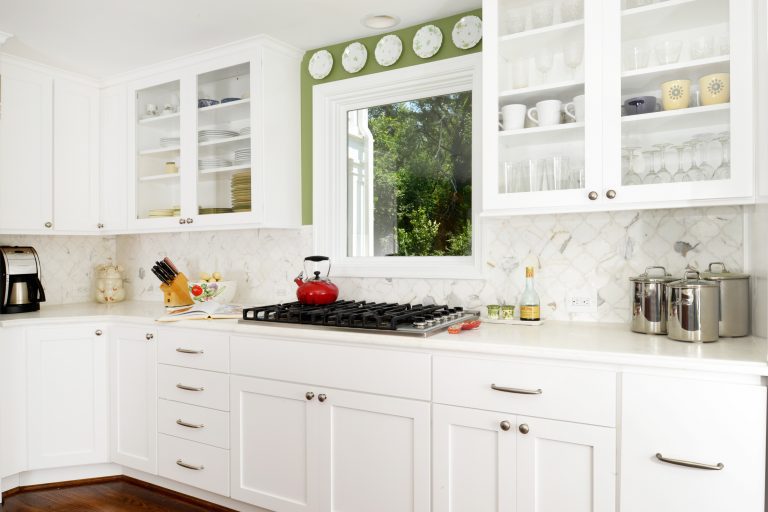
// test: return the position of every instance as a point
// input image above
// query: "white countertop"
(608, 343)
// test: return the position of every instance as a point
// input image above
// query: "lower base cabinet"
(488, 461)
(298, 447)
(711, 436)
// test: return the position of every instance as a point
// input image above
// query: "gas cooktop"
(361, 316)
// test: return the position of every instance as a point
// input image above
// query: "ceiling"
(102, 38)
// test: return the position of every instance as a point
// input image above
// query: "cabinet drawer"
(195, 464)
(196, 387)
(385, 372)
(200, 424)
(561, 393)
(202, 349)
(695, 421)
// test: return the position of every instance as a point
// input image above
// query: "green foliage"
(423, 172)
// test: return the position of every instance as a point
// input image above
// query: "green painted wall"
(408, 58)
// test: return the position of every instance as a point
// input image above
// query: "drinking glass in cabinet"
(518, 71)
(668, 52)
(681, 174)
(541, 175)
(571, 10)
(573, 53)
(636, 57)
(542, 14)
(702, 47)
(516, 19)
(544, 59)
(723, 171)
(663, 175)
(631, 177)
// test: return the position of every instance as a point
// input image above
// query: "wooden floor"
(110, 496)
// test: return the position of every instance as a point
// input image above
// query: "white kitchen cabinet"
(13, 401)
(717, 427)
(133, 397)
(67, 394)
(113, 158)
(338, 450)
(26, 148)
(585, 165)
(250, 175)
(495, 462)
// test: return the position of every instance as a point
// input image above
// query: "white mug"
(577, 106)
(513, 116)
(547, 113)
(151, 109)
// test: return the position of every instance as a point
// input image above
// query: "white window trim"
(330, 104)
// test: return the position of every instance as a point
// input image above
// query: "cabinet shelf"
(679, 119)
(160, 151)
(540, 36)
(159, 120)
(160, 177)
(560, 133)
(564, 91)
(671, 16)
(225, 106)
(643, 80)
(230, 168)
(230, 140)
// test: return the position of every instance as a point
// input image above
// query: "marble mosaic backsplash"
(571, 253)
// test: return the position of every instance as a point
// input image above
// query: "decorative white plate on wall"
(320, 64)
(467, 32)
(388, 50)
(354, 57)
(427, 41)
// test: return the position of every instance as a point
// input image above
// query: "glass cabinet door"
(224, 143)
(678, 63)
(548, 80)
(158, 152)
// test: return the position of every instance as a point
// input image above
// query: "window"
(396, 161)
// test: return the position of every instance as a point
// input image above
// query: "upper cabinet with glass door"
(224, 143)
(158, 153)
(545, 82)
(686, 89)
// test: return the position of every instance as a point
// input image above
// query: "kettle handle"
(724, 269)
(317, 259)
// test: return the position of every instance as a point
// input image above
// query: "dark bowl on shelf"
(201, 103)
(229, 100)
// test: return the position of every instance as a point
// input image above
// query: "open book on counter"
(210, 310)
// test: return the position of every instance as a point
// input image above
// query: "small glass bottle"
(530, 310)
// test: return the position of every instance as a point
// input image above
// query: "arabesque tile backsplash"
(571, 253)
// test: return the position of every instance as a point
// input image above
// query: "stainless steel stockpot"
(649, 303)
(734, 300)
(693, 309)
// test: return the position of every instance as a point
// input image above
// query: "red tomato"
(197, 290)
(454, 329)
(472, 324)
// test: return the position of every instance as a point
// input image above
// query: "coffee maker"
(20, 287)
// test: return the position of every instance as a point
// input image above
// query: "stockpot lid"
(723, 275)
(660, 277)
(687, 283)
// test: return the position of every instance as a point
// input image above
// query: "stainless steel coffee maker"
(20, 286)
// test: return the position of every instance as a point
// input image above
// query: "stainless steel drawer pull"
(689, 464)
(189, 351)
(188, 425)
(189, 466)
(517, 391)
(190, 388)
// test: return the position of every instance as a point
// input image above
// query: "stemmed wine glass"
(702, 141)
(650, 163)
(680, 175)
(694, 172)
(723, 171)
(663, 174)
(573, 54)
(544, 60)
(631, 177)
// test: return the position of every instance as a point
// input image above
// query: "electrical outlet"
(581, 302)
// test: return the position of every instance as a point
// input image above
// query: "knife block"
(177, 293)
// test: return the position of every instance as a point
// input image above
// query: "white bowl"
(222, 291)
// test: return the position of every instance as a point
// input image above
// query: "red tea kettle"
(316, 291)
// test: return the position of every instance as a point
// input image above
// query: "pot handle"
(691, 271)
(724, 269)
(317, 259)
(663, 270)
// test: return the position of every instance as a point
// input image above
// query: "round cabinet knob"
(49, 224)
(592, 196)
(322, 397)
(610, 194)
(100, 225)
(523, 428)
(182, 221)
(150, 336)
(310, 395)
(505, 425)
(190, 220)
(98, 332)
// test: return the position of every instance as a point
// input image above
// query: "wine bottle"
(530, 310)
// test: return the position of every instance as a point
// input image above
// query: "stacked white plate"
(246, 131)
(241, 191)
(169, 141)
(208, 135)
(213, 163)
(165, 212)
(242, 156)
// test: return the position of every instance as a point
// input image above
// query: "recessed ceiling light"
(380, 21)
